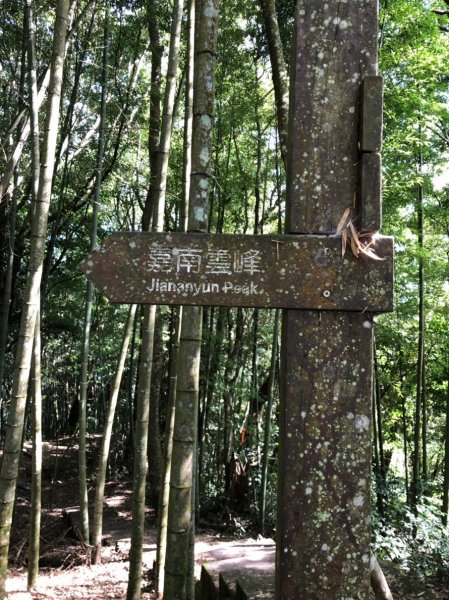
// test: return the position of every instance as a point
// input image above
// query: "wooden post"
(323, 549)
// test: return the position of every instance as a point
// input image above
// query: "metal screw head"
(326, 293)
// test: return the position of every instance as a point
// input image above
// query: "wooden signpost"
(323, 545)
(278, 271)
(325, 458)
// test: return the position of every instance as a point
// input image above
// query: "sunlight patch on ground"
(96, 582)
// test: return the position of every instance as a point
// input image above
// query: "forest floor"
(64, 572)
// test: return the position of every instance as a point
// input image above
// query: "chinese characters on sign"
(219, 270)
(215, 262)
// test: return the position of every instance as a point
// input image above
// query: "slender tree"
(168, 451)
(36, 475)
(84, 378)
(36, 479)
(156, 201)
(173, 378)
(417, 438)
(278, 71)
(106, 440)
(445, 506)
(147, 331)
(267, 428)
(180, 515)
(13, 441)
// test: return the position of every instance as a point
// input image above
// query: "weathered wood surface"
(255, 586)
(239, 270)
(370, 192)
(326, 456)
(371, 119)
(334, 48)
(208, 584)
(323, 550)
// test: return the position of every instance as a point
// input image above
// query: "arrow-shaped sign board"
(280, 271)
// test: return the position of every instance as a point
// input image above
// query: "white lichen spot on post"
(358, 501)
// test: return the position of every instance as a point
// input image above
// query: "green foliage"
(417, 542)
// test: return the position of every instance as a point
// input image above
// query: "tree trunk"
(267, 429)
(379, 584)
(417, 463)
(378, 424)
(160, 183)
(232, 370)
(140, 458)
(180, 515)
(36, 477)
(155, 209)
(212, 355)
(168, 451)
(425, 473)
(6, 298)
(278, 71)
(155, 459)
(404, 422)
(105, 445)
(445, 507)
(188, 116)
(11, 455)
(155, 109)
(82, 467)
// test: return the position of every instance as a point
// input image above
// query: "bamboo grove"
(99, 133)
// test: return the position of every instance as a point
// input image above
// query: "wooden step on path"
(238, 570)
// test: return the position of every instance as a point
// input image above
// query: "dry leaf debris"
(360, 243)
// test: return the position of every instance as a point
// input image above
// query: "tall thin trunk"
(5, 301)
(167, 116)
(106, 441)
(147, 339)
(417, 462)
(445, 507)
(213, 355)
(140, 457)
(155, 456)
(168, 450)
(267, 429)
(188, 116)
(405, 446)
(156, 208)
(36, 479)
(231, 373)
(404, 422)
(171, 408)
(379, 419)
(11, 455)
(378, 427)
(278, 71)
(424, 416)
(180, 515)
(36, 476)
(155, 109)
(82, 467)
